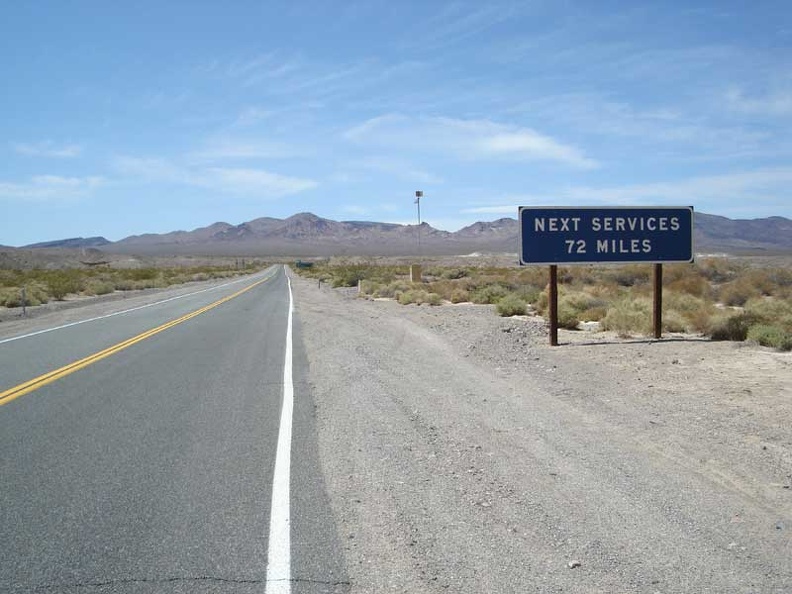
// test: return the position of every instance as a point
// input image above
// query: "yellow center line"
(47, 378)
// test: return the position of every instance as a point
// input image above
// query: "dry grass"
(705, 298)
(42, 286)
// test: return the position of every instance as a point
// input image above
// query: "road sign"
(581, 235)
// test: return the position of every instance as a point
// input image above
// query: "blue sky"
(122, 118)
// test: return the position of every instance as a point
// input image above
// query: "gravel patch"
(463, 453)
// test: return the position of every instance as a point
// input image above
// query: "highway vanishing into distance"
(156, 457)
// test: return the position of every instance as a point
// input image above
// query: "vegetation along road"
(433, 449)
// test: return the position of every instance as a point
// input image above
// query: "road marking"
(47, 378)
(126, 311)
(279, 548)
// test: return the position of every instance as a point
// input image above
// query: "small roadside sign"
(582, 235)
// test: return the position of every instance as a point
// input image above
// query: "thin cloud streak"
(759, 188)
(223, 180)
(50, 187)
(465, 140)
(48, 149)
(775, 104)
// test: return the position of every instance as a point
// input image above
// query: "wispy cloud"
(466, 139)
(773, 104)
(255, 181)
(668, 130)
(223, 180)
(239, 148)
(454, 23)
(399, 168)
(763, 189)
(49, 187)
(48, 149)
(261, 68)
(253, 115)
(763, 184)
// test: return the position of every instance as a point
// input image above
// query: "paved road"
(150, 470)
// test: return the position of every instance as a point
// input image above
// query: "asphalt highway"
(146, 464)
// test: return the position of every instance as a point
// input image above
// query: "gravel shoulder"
(462, 453)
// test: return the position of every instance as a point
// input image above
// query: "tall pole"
(418, 196)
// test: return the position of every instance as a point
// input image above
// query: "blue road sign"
(581, 235)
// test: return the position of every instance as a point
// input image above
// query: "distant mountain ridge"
(306, 234)
(73, 242)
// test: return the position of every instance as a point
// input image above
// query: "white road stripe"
(118, 313)
(279, 551)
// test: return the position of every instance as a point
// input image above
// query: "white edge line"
(118, 313)
(279, 547)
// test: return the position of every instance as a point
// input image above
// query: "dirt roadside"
(464, 454)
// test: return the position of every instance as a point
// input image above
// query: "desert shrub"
(771, 336)
(454, 273)
(459, 296)
(568, 317)
(433, 299)
(572, 305)
(718, 270)
(489, 294)
(542, 302)
(733, 327)
(771, 310)
(10, 297)
(738, 292)
(629, 316)
(511, 305)
(593, 314)
(140, 274)
(62, 283)
(419, 296)
(443, 288)
(96, 286)
(35, 294)
(580, 301)
(629, 275)
(674, 321)
(686, 312)
(692, 285)
(528, 293)
(391, 289)
(348, 276)
(179, 278)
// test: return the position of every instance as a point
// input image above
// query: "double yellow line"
(48, 378)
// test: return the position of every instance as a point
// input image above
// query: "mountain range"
(306, 234)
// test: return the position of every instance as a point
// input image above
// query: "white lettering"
(567, 224)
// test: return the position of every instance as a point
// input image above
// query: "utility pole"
(418, 196)
(415, 269)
